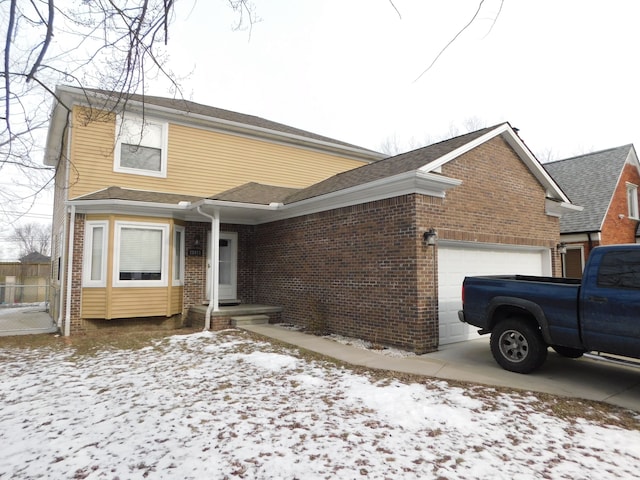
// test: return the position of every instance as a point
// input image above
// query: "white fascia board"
(127, 206)
(579, 237)
(402, 184)
(552, 188)
(554, 208)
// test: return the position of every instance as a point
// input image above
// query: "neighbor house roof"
(35, 257)
(589, 180)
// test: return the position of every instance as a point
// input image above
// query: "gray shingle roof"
(256, 193)
(589, 180)
(219, 113)
(387, 167)
(118, 193)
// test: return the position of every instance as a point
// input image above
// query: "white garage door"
(458, 261)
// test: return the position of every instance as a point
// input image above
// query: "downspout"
(63, 249)
(214, 293)
(62, 272)
(67, 315)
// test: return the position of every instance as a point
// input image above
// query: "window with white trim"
(95, 254)
(632, 200)
(178, 255)
(141, 254)
(141, 146)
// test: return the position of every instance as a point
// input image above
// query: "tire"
(568, 352)
(518, 346)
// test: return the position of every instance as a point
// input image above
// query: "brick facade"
(618, 227)
(365, 271)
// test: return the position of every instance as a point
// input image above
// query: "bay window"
(95, 254)
(141, 254)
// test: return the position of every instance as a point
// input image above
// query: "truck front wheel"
(518, 346)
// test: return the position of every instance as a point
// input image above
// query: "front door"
(227, 266)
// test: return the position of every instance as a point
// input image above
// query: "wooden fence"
(24, 282)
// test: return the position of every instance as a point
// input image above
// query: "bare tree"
(393, 145)
(115, 45)
(32, 237)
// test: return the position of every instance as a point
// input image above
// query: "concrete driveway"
(586, 378)
(590, 377)
(26, 320)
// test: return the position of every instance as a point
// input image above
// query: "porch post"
(215, 270)
(214, 293)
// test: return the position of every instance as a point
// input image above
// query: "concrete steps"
(240, 320)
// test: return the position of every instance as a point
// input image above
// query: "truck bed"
(533, 278)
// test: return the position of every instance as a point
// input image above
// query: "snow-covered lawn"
(225, 405)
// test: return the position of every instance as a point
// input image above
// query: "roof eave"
(554, 208)
(509, 135)
(79, 96)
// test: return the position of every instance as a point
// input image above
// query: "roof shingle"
(589, 180)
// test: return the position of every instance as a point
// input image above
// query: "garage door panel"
(457, 262)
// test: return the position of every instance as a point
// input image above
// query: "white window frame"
(164, 265)
(632, 201)
(87, 264)
(178, 280)
(122, 138)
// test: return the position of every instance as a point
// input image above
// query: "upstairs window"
(632, 200)
(141, 146)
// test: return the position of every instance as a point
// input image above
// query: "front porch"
(233, 315)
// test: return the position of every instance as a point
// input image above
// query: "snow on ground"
(222, 405)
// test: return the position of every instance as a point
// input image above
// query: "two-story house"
(170, 212)
(606, 184)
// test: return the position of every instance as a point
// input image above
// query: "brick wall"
(615, 229)
(195, 267)
(351, 271)
(76, 325)
(364, 271)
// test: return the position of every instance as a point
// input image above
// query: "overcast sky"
(565, 73)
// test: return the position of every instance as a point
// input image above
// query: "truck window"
(620, 269)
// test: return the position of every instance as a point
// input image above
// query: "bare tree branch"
(455, 37)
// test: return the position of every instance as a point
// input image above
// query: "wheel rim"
(514, 346)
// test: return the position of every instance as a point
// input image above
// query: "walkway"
(590, 378)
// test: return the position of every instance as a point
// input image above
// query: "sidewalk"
(586, 378)
(33, 319)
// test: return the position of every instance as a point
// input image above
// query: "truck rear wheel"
(518, 346)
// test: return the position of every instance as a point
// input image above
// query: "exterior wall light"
(430, 236)
(561, 248)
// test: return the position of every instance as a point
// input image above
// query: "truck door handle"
(597, 299)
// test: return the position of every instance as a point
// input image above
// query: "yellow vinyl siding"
(175, 303)
(129, 302)
(94, 303)
(217, 161)
(138, 302)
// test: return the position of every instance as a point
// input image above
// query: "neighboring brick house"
(304, 229)
(606, 184)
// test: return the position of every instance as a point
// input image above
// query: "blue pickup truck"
(525, 314)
